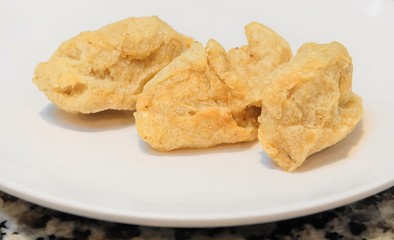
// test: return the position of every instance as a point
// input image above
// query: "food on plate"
(207, 97)
(107, 68)
(265, 51)
(195, 102)
(190, 96)
(309, 104)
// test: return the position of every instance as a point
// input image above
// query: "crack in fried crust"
(206, 96)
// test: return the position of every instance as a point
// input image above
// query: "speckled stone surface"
(371, 218)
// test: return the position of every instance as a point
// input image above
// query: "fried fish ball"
(107, 68)
(309, 104)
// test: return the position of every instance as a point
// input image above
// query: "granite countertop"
(370, 218)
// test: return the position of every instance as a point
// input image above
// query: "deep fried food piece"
(195, 103)
(107, 68)
(309, 104)
(265, 51)
(206, 97)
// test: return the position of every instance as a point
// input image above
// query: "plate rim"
(182, 221)
(326, 202)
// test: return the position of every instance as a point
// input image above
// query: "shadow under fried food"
(221, 148)
(330, 155)
(95, 122)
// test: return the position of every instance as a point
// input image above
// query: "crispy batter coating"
(265, 51)
(192, 103)
(107, 68)
(309, 104)
(206, 97)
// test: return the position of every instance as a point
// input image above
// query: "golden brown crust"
(189, 105)
(107, 68)
(309, 104)
(206, 97)
(265, 51)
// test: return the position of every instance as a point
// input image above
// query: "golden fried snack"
(265, 51)
(195, 102)
(309, 104)
(206, 97)
(107, 68)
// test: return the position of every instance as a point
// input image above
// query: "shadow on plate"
(231, 147)
(95, 122)
(330, 155)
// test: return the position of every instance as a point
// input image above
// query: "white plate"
(97, 166)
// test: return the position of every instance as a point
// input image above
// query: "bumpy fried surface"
(309, 104)
(204, 97)
(265, 51)
(107, 68)
(191, 104)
